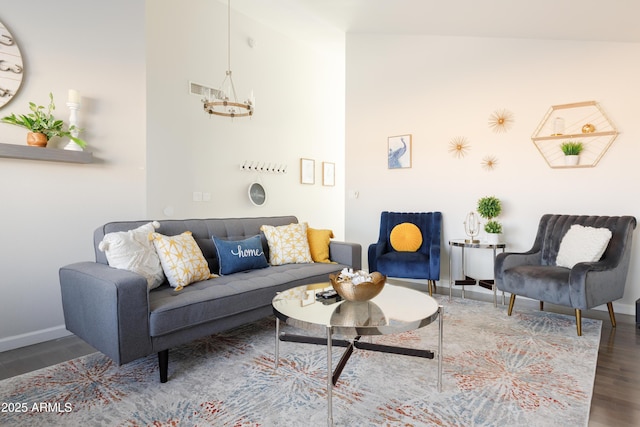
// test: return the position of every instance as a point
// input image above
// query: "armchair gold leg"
(579, 321)
(611, 315)
(512, 300)
(430, 287)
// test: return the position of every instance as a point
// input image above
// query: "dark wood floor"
(616, 394)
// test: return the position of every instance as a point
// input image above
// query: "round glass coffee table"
(396, 309)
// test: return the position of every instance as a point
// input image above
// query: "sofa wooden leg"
(579, 321)
(541, 305)
(512, 300)
(163, 365)
(611, 315)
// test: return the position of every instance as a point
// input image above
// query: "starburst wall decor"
(459, 146)
(489, 162)
(501, 120)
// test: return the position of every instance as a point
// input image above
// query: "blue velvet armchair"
(424, 263)
(535, 274)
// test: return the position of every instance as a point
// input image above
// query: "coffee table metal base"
(350, 345)
(329, 341)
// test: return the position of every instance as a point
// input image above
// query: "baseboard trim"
(35, 337)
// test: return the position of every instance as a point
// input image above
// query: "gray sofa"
(113, 310)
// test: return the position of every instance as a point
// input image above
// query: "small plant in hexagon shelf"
(571, 148)
(490, 207)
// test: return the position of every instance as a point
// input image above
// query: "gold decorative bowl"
(360, 292)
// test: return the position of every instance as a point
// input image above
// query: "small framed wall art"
(399, 151)
(328, 174)
(307, 171)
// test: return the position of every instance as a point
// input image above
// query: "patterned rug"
(529, 369)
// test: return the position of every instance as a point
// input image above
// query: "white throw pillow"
(582, 244)
(132, 250)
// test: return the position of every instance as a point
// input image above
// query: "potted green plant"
(571, 150)
(489, 207)
(42, 125)
(493, 227)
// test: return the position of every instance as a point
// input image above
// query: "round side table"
(470, 281)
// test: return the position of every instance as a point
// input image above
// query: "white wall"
(49, 210)
(299, 91)
(438, 88)
(131, 62)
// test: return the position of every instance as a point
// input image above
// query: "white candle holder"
(74, 107)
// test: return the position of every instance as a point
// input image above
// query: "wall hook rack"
(253, 166)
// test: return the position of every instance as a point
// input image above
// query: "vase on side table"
(494, 238)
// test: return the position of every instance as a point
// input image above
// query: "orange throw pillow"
(319, 244)
(406, 237)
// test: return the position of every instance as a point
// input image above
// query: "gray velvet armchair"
(535, 274)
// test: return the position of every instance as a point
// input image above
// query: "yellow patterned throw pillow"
(288, 244)
(181, 258)
(319, 244)
(406, 237)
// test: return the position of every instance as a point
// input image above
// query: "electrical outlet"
(206, 197)
(197, 196)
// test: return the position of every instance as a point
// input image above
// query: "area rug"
(529, 369)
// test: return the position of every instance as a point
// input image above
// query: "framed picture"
(307, 171)
(328, 174)
(399, 151)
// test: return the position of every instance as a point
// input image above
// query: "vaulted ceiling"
(593, 20)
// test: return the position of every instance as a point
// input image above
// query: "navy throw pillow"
(240, 255)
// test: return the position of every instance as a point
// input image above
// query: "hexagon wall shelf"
(581, 121)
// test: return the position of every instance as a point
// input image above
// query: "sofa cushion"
(181, 259)
(240, 255)
(539, 282)
(319, 244)
(132, 250)
(582, 244)
(230, 295)
(288, 244)
(404, 264)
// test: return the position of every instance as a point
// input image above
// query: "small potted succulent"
(489, 208)
(42, 125)
(571, 150)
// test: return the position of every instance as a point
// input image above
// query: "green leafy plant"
(42, 120)
(490, 207)
(571, 148)
(493, 227)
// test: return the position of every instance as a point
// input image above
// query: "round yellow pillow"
(406, 237)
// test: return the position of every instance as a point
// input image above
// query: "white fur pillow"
(582, 244)
(132, 250)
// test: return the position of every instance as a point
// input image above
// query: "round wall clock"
(11, 70)
(257, 194)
